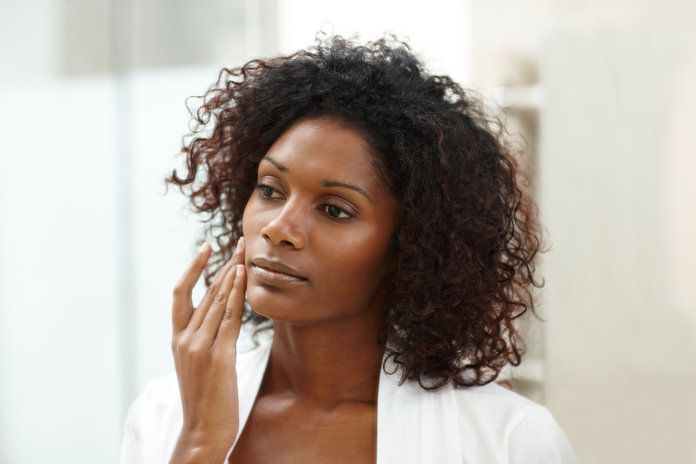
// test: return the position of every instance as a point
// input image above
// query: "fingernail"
(240, 243)
(203, 247)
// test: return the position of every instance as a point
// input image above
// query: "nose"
(285, 228)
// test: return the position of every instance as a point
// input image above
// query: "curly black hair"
(468, 236)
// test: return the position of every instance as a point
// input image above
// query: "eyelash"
(260, 186)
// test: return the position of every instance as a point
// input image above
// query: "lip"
(275, 272)
(274, 278)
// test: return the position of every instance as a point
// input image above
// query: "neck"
(327, 364)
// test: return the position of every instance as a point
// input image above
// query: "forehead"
(325, 147)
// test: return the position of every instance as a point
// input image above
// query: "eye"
(266, 191)
(334, 212)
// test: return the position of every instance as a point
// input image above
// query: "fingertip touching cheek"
(318, 226)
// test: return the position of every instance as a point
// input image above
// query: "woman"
(374, 221)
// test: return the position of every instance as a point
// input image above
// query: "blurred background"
(92, 111)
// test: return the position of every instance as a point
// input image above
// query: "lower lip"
(274, 278)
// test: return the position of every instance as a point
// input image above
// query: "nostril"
(282, 233)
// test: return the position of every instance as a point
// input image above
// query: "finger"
(210, 324)
(182, 306)
(228, 332)
(202, 309)
(239, 251)
(208, 298)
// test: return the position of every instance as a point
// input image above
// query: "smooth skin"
(321, 208)
(204, 348)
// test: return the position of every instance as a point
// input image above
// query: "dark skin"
(317, 401)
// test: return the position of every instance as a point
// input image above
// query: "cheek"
(248, 218)
(355, 263)
(245, 228)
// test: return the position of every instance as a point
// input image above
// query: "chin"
(273, 304)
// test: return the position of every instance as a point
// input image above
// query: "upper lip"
(276, 266)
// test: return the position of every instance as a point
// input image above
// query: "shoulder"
(518, 427)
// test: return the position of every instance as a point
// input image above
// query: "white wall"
(439, 30)
(90, 252)
(30, 41)
(617, 190)
(59, 327)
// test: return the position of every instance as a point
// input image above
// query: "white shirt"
(488, 424)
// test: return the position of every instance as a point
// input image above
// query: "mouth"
(276, 269)
(274, 278)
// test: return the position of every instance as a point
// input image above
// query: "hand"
(204, 344)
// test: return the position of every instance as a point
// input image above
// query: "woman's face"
(321, 210)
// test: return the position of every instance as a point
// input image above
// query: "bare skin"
(204, 349)
(317, 401)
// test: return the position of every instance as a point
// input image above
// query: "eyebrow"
(325, 183)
